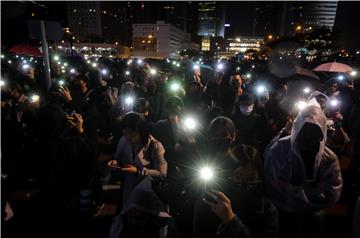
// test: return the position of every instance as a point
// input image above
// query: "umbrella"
(333, 67)
(288, 69)
(25, 50)
(305, 72)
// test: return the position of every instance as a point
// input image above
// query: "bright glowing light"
(307, 90)
(174, 62)
(190, 123)
(9, 61)
(301, 105)
(237, 68)
(56, 58)
(61, 82)
(104, 71)
(206, 173)
(153, 71)
(72, 71)
(129, 100)
(35, 98)
(3, 56)
(59, 63)
(220, 66)
(25, 66)
(341, 77)
(127, 72)
(334, 102)
(353, 73)
(139, 61)
(248, 75)
(196, 67)
(261, 89)
(65, 64)
(178, 65)
(2, 83)
(175, 86)
(253, 66)
(89, 62)
(94, 65)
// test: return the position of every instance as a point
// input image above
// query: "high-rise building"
(108, 22)
(183, 15)
(308, 15)
(116, 20)
(211, 17)
(160, 40)
(84, 19)
(263, 16)
(267, 18)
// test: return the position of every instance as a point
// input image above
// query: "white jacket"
(283, 162)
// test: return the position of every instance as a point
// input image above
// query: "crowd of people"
(201, 149)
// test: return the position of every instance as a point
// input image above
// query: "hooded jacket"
(285, 173)
(144, 199)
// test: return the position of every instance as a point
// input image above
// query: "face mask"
(246, 110)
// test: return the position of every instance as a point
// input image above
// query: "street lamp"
(270, 37)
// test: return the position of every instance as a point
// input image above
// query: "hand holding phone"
(221, 206)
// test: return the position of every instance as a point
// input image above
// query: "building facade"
(304, 16)
(233, 46)
(159, 40)
(211, 19)
(84, 19)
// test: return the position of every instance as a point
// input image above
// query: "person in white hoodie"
(302, 175)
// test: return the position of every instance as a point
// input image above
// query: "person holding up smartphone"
(231, 225)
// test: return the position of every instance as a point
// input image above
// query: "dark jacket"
(252, 130)
(264, 225)
(259, 218)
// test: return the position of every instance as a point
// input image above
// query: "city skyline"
(242, 17)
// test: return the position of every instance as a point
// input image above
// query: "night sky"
(240, 15)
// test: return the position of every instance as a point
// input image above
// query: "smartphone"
(211, 198)
(70, 115)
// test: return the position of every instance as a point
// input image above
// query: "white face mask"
(246, 109)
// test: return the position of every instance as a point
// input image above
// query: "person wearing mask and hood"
(237, 172)
(146, 214)
(302, 175)
(252, 129)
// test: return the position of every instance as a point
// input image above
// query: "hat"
(174, 104)
(143, 198)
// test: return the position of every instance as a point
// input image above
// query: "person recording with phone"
(235, 170)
